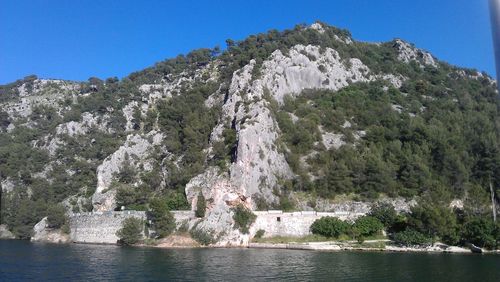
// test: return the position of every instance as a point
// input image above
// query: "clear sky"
(77, 39)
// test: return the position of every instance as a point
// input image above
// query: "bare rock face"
(89, 121)
(349, 206)
(221, 197)
(306, 67)
(134, 152)
(331, 140)
(47, 92)
(7, 185)
(42, 233)
(408, 53)
(259, 163)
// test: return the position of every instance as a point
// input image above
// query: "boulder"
(43, 233)
(5, 232)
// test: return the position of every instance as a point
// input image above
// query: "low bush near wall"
(333, 227)
(329, 227)
(411, 237)
(259, 234)
(56, 217)
(366, 226)
(131, 232)
(162, 219)
(385, 213)
(243, 218)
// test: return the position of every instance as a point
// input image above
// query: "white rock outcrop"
(135, 151)
(331, 140)
(408, 53)
(42, 233)
(41, 92)
(259, 164)
(5, 232)
(290, 74)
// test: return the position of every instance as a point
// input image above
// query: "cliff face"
(260, 164)
(220, 125)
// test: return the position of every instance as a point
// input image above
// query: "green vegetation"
(432, 144)
(432, 220)
(366, 226)
(259, 234)
(56, 216)
(411, 237)
(482, 233)
(205, 238)
(162, 219)
(243, 218)
(131, 231)
(132, 198)
(286, 240)
(330, 227)
(201, 206)
(385, 213)
(177, 201)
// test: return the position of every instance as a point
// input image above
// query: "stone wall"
(101, 227)
(293, 224)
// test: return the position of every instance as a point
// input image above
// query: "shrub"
(385, 213)
(177, 201)
(435, 220)
(259, 234)
(56, 216)
(367, 226)
(286, 204)
(128, 196)
(203, 237)
(66, 229)
(165, 225)
(410, 237)
(480, 232)
(200, 206)
(243, 218)
(360, 239)
(329, 227)
(131, 231)
(161, 218)
(184, 227)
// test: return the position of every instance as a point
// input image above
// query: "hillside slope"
(296, 119)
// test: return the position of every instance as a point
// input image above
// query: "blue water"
(20, 260)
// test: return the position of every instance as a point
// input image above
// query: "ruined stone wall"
(101, 227)
(294, 224)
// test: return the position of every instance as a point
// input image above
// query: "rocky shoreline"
(329, 246)
(181, 242)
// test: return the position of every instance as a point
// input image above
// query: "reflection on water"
(25, 261)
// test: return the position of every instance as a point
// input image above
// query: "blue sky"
(78, 39)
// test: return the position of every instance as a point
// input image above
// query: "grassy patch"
(370, 245)
(285, 240)
(319, 238)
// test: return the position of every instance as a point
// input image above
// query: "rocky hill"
(299, 119)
